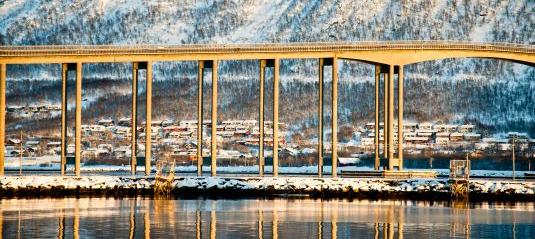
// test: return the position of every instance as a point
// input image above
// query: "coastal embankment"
(192, 186)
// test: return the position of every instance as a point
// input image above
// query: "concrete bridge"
(389, 59)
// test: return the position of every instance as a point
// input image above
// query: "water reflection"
(260, 224)
(1, 220)
(146, 218)
(132, 232)
(213, 222)
(460, 226)
(61, 224)
(394, 219)
(18, 226)
(76, 223)
(334, 225)
(320, 222)
(198, 225)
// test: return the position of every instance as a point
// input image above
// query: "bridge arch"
(407, 57)
(515, 59)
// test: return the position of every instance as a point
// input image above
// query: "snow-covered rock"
(264, 184)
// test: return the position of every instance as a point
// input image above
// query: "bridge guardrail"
(261, 47)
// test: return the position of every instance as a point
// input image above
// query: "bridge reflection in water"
(300, 218)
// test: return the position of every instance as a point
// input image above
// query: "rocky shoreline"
(236, 187)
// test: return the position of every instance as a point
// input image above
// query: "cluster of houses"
(422, 135)
(32, 110)
(111, 139)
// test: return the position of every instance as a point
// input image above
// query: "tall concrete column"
(276, 117)
(148, 131)
(213, 168)
(3, 70)
(385, 115)
(200, 82)
(78, 116)
(391, 117)
(261, 161)
(400, 117)
(133, 120)
(64, 75)
(334, 127)
(320, 116)
(376, 138)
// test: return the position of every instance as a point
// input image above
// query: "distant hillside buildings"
(426, 134)
(108, 138)
(32, 110)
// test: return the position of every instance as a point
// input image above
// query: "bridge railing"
(261, 47)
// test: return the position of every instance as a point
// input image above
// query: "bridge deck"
(388, 53)
(51, 50)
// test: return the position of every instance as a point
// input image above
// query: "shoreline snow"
(258, 186)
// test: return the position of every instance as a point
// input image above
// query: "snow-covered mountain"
(235, 21)
(493, 93)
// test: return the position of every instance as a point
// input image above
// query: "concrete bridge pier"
(136, 67)
(334, 121)
(133, 120)
(377, 160)
(202, 65)
(320, 116)
(214, 119)
(65, 68)
(213, 64)
(3, 69)
(395, 163)
(390, 117)
(78, 120)
(381, 72)
(388, 73)
(385, 113)
(400, 117)
(148, 120)
(200, 116)
(276, 65)
(261, 161)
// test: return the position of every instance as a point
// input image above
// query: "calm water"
(259, 218)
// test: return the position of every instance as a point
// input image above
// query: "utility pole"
(467, 167)
(514, 139)
(21, 152)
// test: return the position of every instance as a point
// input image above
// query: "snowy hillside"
(489, 92)
(234, 21)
